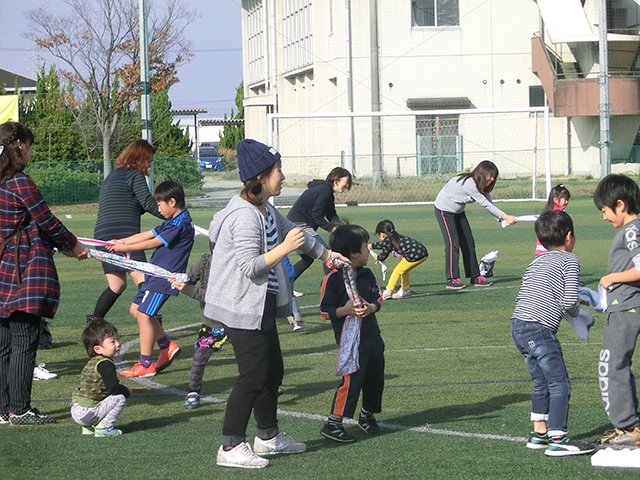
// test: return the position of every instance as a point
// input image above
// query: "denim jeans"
(543, 357)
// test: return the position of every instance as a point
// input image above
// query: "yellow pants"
(402, 271)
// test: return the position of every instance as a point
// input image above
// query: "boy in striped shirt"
(549, 290)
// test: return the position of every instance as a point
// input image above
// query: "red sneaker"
(139, 371)
(167, 355)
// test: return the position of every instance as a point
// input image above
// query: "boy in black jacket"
(351, 241)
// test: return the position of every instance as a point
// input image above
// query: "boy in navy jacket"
(351, 241)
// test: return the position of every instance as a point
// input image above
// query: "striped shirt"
(272, 242)
(549, 289)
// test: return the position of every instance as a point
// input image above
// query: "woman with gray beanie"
(248, 288)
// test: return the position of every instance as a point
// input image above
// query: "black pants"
(369, 380)
(19, 337)
(260, 373)
(457, 236)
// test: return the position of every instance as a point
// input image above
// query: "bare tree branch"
(98, 45)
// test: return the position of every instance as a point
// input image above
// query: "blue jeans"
(551, 388)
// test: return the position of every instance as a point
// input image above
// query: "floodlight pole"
(145, 86)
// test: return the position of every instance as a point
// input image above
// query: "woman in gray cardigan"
(247, 289)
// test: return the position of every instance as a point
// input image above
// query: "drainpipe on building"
(376, 132)
(352, 138)
(567, 146)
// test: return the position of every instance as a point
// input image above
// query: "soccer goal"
(404, 151)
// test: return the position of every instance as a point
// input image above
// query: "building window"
(256, 41)
(536, 96)
(297, 38)
(435, 13)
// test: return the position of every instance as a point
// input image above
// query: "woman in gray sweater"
(475, 186)
(247, 289)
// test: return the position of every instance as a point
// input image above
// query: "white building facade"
(423, 64)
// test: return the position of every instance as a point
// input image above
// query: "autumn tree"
(98, 43)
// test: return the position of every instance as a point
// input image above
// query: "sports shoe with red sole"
(139, 371)
(167, 355)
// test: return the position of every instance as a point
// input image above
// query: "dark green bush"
(183, 170)
(65, 183)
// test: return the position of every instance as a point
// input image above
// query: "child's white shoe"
(387, 294)
(402, 294)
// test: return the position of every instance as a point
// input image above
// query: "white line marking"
(145, 382)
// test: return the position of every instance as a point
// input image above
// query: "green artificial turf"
(457, 397)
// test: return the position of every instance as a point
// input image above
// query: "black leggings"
(457, 236)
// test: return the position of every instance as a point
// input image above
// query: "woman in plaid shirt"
(29, 287)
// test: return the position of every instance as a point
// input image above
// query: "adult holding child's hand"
(475, 186)
(29, 284)
(248, 288)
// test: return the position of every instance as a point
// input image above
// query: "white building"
(421, 57)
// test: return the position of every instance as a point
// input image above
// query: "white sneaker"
(41, 373)
(297, 294)
(240, 456)
(278, 444)
(402, 294)
(386, 295)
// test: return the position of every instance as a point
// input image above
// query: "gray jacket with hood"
(237, 286)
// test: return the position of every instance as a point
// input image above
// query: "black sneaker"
(4, 419)
(537, 441)
(368, 424)
(30, 417)
(565, 447)
(91, 318)
(335, 431)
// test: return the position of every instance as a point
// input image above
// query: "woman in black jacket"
(316, 208)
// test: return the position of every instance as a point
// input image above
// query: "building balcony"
(570, 95)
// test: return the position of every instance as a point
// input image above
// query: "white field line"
(454, 292)
(147, 383)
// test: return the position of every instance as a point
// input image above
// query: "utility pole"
(145, 86)
(605, 106)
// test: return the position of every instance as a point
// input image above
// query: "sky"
(209, 81)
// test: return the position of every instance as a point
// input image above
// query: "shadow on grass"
(206, 409)
(461, 412)
(594, 434)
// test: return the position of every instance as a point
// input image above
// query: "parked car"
(210, 158)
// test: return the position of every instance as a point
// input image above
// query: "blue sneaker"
(192, 401)
(90, 430)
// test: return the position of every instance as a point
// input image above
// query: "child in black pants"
(211, 337)
(351, 241)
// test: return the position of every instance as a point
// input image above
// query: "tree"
(98, 43)
(54, 128)
(232, 134)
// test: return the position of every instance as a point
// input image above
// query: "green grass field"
(457, 397)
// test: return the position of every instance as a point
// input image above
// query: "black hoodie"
(315, 207)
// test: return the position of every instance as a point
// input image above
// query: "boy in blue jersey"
(172, 242)
(549, 290)
(618, 198)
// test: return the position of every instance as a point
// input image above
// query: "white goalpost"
(396, 149)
